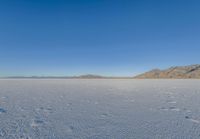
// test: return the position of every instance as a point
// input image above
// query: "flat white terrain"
(99, 109)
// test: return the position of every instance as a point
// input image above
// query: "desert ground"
(99, 109)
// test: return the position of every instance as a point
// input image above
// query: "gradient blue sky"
(108, 37)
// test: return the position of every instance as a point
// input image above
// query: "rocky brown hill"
(179, 72)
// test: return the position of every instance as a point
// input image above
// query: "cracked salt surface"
(104, 109)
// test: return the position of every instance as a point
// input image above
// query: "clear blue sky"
(108, 37)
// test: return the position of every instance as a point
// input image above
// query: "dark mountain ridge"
(178, 72)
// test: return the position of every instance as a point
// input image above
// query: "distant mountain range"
(86, 76)
(89, 76)
(178, 72)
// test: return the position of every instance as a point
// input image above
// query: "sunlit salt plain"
(99, 109)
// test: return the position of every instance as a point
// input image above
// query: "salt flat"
(99, 109)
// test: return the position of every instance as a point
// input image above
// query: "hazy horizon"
(109, 38)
